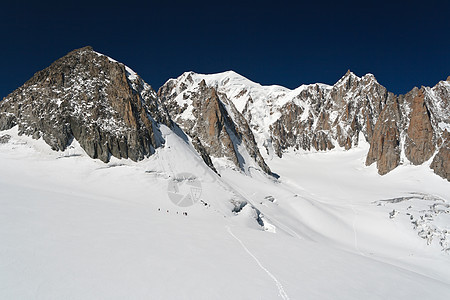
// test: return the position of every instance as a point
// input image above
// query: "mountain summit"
(89, 97)
(111, 111)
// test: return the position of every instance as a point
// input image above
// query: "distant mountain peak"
(369, 76)
(319, 117)
(349, 73)
(82, 49)
(349, 76)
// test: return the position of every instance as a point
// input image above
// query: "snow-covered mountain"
(213, 122)
(403, 129)
(110, 110)
(184, 201)
(90, 101)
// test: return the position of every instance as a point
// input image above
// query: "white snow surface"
(76, 228)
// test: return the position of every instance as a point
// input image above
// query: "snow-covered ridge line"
(261, 105)
(319, 117)
(218, 79)
(221, 78)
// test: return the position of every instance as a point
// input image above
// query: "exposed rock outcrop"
(441, 161)
(319, 117)
(419, 143)
(385, 144)
(211, 120)
(322, 117)
(203, 153)
(84, 95)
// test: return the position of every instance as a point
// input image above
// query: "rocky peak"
(216, 127)
(92, 98)
(348, 80)
(321, 117)
(369, 79)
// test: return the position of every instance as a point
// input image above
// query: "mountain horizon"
(320, 117)
(230, 70)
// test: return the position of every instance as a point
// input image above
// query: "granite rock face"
(441, 161)
(318, 117)
(89, 97)
(385, 144)
(321, 117)
(211, 120)
(419, 143)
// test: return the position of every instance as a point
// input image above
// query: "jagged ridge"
(110, 110)
(411, 128)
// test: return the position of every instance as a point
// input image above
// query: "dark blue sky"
(403, 43)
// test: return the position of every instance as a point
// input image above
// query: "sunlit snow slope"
(76, 228)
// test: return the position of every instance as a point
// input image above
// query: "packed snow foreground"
(76, 228)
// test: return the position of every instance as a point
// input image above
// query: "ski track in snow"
(280, 288)
(284, 227)
(354, 230)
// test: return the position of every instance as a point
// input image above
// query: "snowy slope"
(76, 228)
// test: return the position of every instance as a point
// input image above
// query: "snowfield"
(328, 228)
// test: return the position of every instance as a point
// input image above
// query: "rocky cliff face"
(111, 111)
(101, 103)
(420, 141)
(212, 121)
(385, 143)
(441, 161)
(320, 117)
